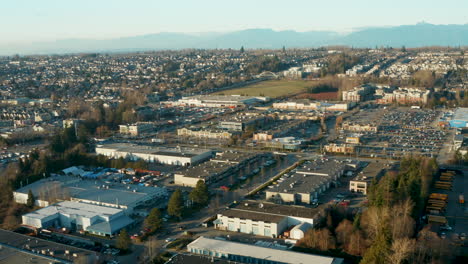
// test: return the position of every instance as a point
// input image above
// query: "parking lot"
(456, 213)
(401, 131)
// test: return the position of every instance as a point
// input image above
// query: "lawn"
(272, 88)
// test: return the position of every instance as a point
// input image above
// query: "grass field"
(272, 88)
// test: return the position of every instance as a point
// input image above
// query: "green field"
(272, 88)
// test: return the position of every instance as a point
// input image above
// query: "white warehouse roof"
(74, 208)
(239, 249)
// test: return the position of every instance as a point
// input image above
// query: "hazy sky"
(25, 21)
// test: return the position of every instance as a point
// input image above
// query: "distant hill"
(418, 35)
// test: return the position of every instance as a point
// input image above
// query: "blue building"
(460, 118)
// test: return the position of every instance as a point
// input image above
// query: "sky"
(29, 21)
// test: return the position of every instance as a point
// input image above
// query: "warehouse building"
(241, 122)
(460, 118)
(19, 248)
(307, 182)
(230, 101)
(219, 167)
(76, 216)
(92, 191)
(314, 105)
(246, 253)
(204, 133)
(164, 155)
(362, 181)
(265, 219)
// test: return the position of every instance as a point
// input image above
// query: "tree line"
(390, 229)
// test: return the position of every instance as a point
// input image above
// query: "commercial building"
(353, 139)
(92, 191)
(359, 127)
(285, 143)
(136, 129)
(76, 216)
(264, 219)
(243, 121)
(362, 181)
(164, 155)
(309, 180)
(313, 105)
(339, 148)
(246, 253)
(230, 101)
(209, 172)
(19, 248)
(460, 118)
(204, 133)
(218, 168)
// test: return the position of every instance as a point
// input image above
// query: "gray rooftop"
(461, 114)
(277, 255)
(66, 187)
(146, 149)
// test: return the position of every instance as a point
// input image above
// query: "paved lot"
(457, 214)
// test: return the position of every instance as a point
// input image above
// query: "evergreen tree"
(31, 201)
(154, 220)
(123, 241)
(176, 204)
(200, 194)
(380, 249)
(242, 49)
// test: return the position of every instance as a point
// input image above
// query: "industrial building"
(19, 248)
(362, 181)
(164, 155)
(265, 219)
(246, 253)
(460, 118)
(307, 182)
(136, 129)
(218, 168)
(241, 122)
(93, 191)
(204, 133)
(76, 216)
(313, 105)
(230, 101)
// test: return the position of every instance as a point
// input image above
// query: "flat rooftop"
(299, 183)
(240, 249)
(91, 189)
(461, 114)
(19, 241)
(74, 208)
(146, 149)
(325, 167)
(275, 209)
(254, 216)
(205, 169)
(233, 156)
(372, 170)
(224, 98)
(198, 259)
(10, 255)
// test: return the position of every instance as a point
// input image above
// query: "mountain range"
(418, 35)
